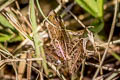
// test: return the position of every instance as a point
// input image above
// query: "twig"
(110, 37)
(21, 67)
(15, 69)
(103, 67)
(77, 19)
(16, 60)
(112, 42)
(83, 68)
(6, 4)
(17, 5)
(29, 55)
(57, 71)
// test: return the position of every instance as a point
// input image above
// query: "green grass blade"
(37, 40)
(98, 26)
(5, 23)
(94, 7)
(116, 56)
(100, 7)
(4, 37)
(92, 4)
(85, 6)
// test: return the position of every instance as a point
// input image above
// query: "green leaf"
(5, 37)
(100, 7)
(94, 7)
(98, 26)
(116, 56)
(5, 23)
(85, 6)
(16, 38)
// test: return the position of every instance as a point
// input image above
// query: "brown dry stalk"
(109, 39)
(29, 55)
(21, 68)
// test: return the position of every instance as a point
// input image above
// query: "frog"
(68, 48)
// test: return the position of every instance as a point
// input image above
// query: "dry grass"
(57, 46)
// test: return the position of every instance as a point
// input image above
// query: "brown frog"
(71, 50)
